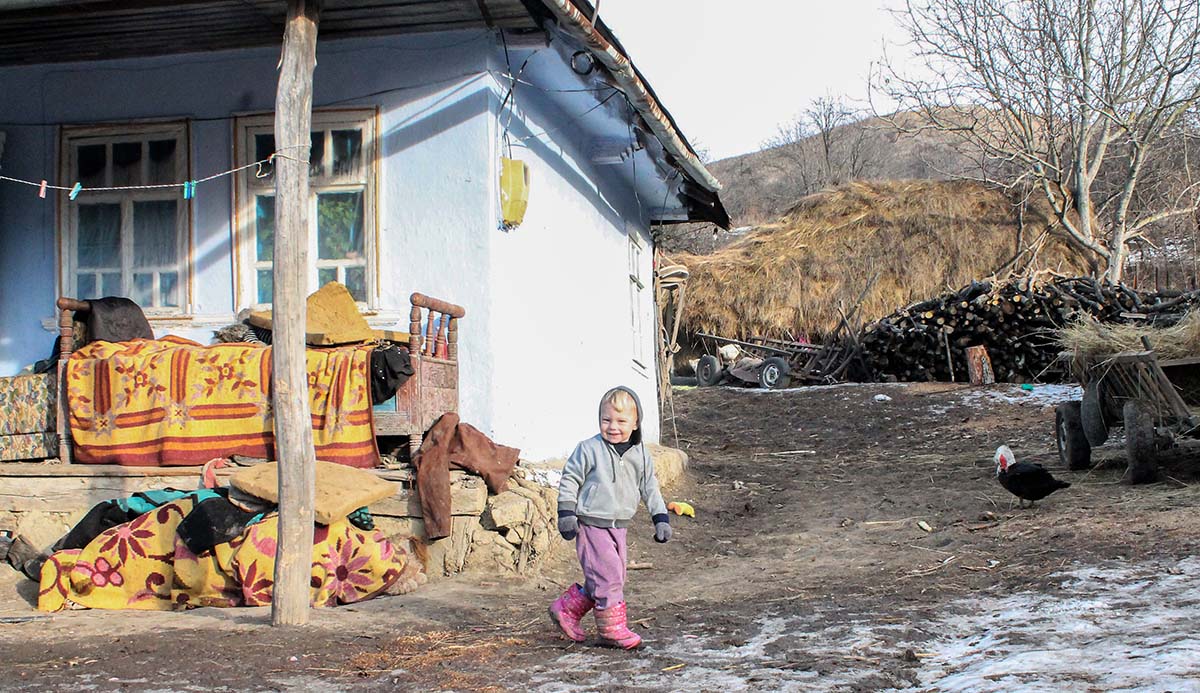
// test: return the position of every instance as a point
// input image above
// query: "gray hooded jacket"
(602, 487)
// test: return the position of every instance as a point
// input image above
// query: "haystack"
(1091, 340)
(918, 237)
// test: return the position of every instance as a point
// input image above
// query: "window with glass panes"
(130, 242)
(341, 203)
(636, 289)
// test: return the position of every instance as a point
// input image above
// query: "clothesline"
(189, 186)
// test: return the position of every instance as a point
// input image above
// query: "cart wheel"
(708, 370)
(1092, 414)
(1074, 451)
(774, 374)
(1139, 444)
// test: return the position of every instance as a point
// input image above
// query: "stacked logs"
(1016, 321)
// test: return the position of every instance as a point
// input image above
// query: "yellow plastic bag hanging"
(514, 191)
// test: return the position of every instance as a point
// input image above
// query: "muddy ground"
(842, 541)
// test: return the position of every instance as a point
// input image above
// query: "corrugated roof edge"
(608, 50)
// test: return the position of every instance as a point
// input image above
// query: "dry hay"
(441, 659)
(918, 237)
(1090, 340)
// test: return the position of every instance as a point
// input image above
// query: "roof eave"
(601, 44)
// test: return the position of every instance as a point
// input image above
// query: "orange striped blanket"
(173, 402)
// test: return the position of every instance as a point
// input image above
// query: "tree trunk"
(289, 379)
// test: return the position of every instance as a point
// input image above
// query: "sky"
(731, 72)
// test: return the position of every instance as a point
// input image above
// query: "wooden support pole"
(289, 379)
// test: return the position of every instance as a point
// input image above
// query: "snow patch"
(1035, 396)
(1105, 628)
(1128, 629)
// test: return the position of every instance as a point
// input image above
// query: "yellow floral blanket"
(144, 564)
(172, 401)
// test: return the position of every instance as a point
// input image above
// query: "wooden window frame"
(71, 137)
(247, 188)
(636, 287)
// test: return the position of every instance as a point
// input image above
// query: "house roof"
(43, 31)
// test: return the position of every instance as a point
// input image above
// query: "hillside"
(916, 237)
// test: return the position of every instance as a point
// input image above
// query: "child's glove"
(662, 532)
(568, 526)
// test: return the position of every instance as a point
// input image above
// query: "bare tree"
(824, 145)
(1072, 98)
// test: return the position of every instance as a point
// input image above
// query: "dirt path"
(808, 567)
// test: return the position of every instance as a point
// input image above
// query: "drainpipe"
(578, 26)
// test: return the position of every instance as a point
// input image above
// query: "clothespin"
(189, 189)
(75, 191)
(42, 190)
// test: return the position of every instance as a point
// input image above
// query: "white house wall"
(560, 304)
(435, 221)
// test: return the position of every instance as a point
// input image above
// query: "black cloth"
(390, 368)
(102, 516)
(116, 319)
(214, 521)
(50, 363)
(623, 448)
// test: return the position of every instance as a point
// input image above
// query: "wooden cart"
(771, 363)
(1157, 402)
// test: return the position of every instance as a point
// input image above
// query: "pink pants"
(601, 552)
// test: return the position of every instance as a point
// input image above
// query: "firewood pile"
(1016, 321)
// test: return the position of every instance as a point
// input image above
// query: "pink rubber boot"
(613, 628)
(568, 609)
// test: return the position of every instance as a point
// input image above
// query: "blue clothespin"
(75, 191)
(189, 189)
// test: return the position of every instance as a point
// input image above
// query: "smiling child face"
(616, 425)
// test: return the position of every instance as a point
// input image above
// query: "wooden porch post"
(289, 379)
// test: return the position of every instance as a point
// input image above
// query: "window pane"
(154, 234)
(356, 282)
(168, 289)
(326, 275)
(339, 226)
(265, 284)
(127, 163)
(347, 152)
(162, 162)
(85, 286)
(143, 289)
(99, 236)
(111, 284)
(264, 227)
(92, 160)
(316, 155)
(264, 147)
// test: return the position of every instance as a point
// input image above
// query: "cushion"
(340, 489)
(332, 318)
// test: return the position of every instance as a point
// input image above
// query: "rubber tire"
(774, 374)
(1139, 444)
(1092, 414)
(1074, 450)
(708, 371)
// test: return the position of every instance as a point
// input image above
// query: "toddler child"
(597, 498)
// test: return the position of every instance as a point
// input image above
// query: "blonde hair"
(619, 400)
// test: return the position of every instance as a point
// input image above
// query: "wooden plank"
(468, 494)
(289, 379)
(87, 471)
(77, 494)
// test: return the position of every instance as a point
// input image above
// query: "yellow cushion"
(332, 318)
(340, 489)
